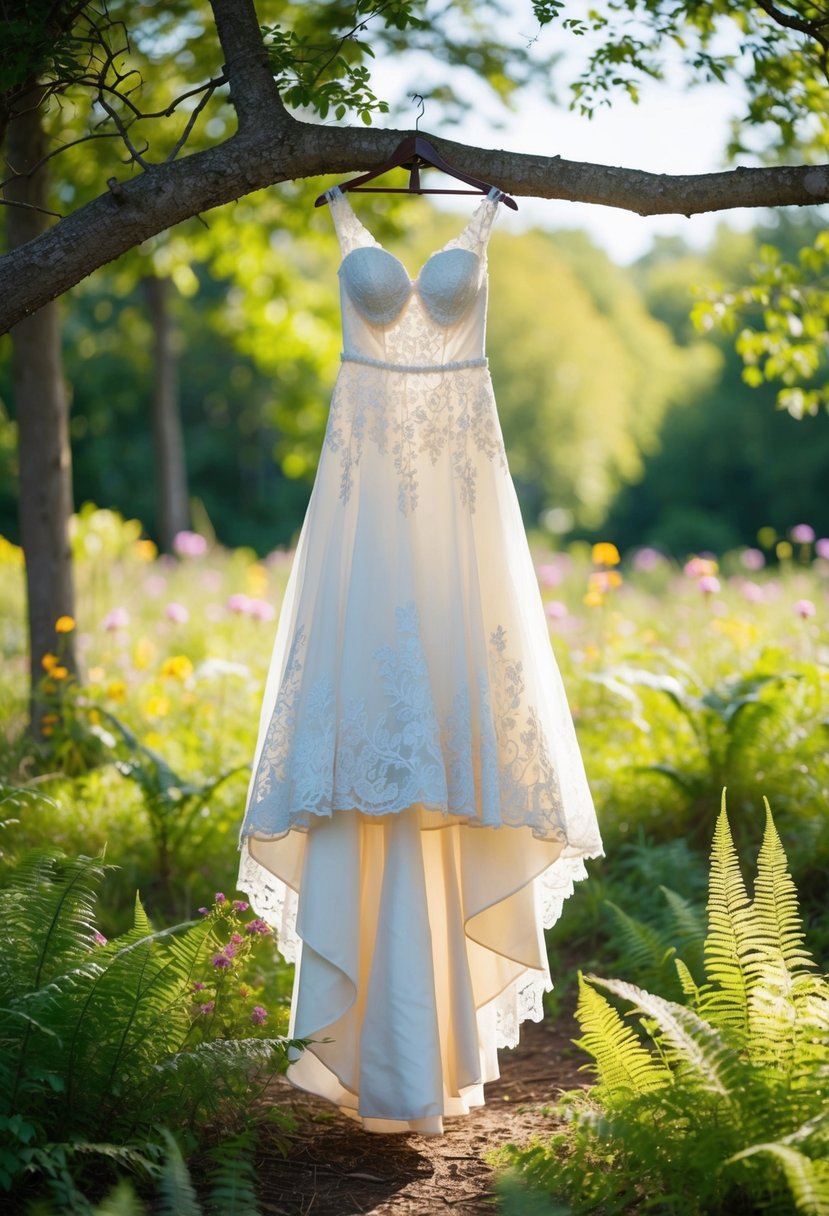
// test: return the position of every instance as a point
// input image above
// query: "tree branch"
(279, 148)
(252, 86)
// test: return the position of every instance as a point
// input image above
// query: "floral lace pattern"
(317, 761)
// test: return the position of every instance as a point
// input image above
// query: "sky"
(671, 130)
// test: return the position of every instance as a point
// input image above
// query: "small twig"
(179, 144)
(55, 151)
(9, 202)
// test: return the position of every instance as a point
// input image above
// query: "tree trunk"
(42, 411)
(173, 512)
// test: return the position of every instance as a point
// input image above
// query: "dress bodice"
(435, 319)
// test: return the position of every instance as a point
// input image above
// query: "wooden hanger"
(413, 153)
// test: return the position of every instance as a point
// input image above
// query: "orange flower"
(64, 624)
(594, 599)
(606, 554)
(145, 550)
(59, 673)
(49, 661)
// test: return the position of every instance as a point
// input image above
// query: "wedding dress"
(418, 809)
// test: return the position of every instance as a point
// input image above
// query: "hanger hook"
(418, 97)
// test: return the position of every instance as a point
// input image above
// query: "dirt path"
(334, 1168)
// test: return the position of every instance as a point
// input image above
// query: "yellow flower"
(49, 719)
(594, 599)
(49, 661)
(59, 673)
(64, 624)
(605, 554)
(47, 731)
(256, 578)
(94, 717)
(152, 739)
(604, 580)
(117, 690)
(783, 550)
(144, 654)
(177, 667)
(146, 550)
(157, 707)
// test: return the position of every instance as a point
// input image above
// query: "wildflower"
(549, 575)
(245, 992)
(49, 661)
(177, 613)
(99, 938)
(116, 690)
(783, 550)
(805, 609)
(198, 986)
(606, 554)
(116, 618)
(239, 603)
(700, 567)
(753, 592)
(189, 544)
(207, 1007)
(146, 550)
(240, 905)
(236, 938)
(261, 610)
(822, 547)
(177, 667)
(802, 534)
(555, 610)
(709, 584)
(594, 599)
(157, 707)
(258, 1015)
(64, 624)
(46, 731)
(59, 673)
(604, 580)
(647, 559)
(230, 949)
(257, 926)
(220, 897)
(50, 719)
(220, 961)
(753, 559)
(204, 911)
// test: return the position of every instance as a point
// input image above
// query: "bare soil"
(334, 1168)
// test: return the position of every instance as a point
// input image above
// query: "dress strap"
(475, 235)
(351, 233)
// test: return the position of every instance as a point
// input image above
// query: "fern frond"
(692, 1043)
(645, 949)
(808, 1180)
(233, 1178)
(687, 982)
(730, 932)
(121, 1201)
(176, 1192)
(778, 930)
(623, 1064)
(688, 925)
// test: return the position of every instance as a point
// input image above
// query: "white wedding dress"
(418, 809)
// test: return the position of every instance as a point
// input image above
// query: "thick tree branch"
(279, 148)
(252, 86)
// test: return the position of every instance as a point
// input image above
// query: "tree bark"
(42, 411)
(172, 503)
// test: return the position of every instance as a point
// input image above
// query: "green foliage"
(716, 1104)
(102, 1043)
(781, 315)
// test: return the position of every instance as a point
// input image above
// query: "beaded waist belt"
(456, 365)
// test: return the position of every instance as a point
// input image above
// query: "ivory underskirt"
(419, 949)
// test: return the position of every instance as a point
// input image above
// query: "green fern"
(721, 1106)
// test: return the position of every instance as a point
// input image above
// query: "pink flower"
(229, 950)
(220, 961)
(99, 938)
(753, 592)
(257, 926)
(709, 584)
(116, 618)
(802, 534)
(261, 610)
(220, 897)
(207, 1007)
(240, 905)
(189, 544)
(258, 1015)
(198, 986)
(647, 559)
(556, 611)
(805, 609)
(236, 938)
(822, 547)
(238, 602)
(204, 911)
(154, 584)
(178, 613)
(549, 575)
(700, 567)
(753, 559)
